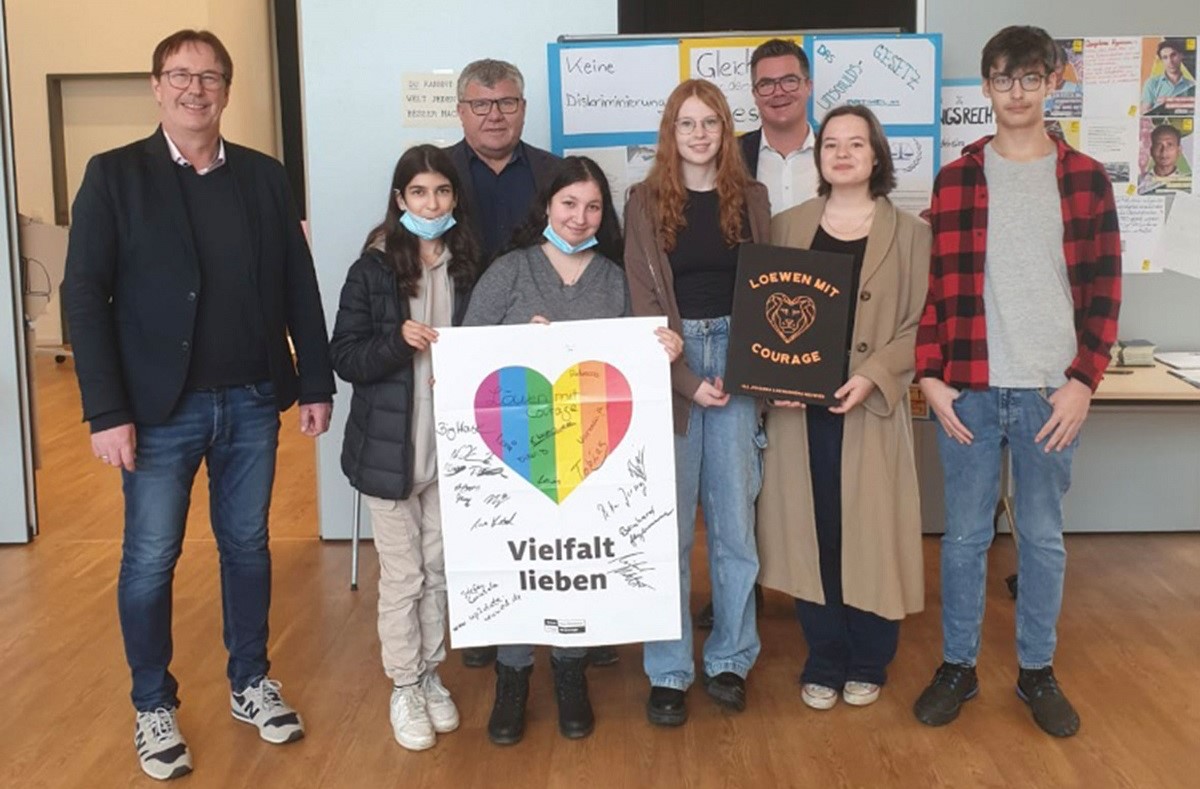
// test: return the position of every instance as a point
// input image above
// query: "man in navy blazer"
(187, 272)
(500, 173)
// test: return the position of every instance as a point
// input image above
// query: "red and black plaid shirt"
(952, 338)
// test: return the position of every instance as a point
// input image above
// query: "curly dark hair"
(401, 249)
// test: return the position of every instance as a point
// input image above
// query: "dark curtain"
(713, 16)
(287, 48)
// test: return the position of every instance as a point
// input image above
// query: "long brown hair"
(401, 249)
(666, 178)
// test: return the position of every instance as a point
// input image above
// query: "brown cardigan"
(652, 283)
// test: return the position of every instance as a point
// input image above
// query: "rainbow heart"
(554, 436)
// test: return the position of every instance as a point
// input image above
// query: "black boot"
(478, 657)
(506, 726)
(575, 718)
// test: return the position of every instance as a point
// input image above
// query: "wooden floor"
(1129, 658)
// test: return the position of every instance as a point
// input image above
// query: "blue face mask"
(563, 246)
(428, 229)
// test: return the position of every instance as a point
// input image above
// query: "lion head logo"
(790, 317)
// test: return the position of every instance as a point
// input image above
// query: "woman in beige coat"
(839, 522)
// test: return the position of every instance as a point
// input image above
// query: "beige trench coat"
(882, 568)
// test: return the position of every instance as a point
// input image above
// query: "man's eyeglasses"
(1004, 83)
(686, 126)
(181, 79)
(788, 84)
(508, 105)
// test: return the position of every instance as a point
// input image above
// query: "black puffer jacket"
(368, 352)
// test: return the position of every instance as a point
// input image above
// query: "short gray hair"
(488, 72)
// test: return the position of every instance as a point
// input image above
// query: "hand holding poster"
(791, 310)
(557, 483)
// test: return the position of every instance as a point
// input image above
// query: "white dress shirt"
(790, 179)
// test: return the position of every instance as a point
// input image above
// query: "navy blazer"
(542, 163)
(132, 283)
(750, 143)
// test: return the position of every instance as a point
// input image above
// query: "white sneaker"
(860, 694)
(261, 705)
(160, 747)
(819, 697)
(410, 719)
(442, 712)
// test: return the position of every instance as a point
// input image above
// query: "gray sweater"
(523, 283)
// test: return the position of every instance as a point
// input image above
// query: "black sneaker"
(727, 689)
(941, 701)
(666, 706)
(478, 657)
(602, 656)
(1039, 689)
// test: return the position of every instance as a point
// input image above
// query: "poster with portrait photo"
(1165, 155)
(1067, 100)
(1168, 76)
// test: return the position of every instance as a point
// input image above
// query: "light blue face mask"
(428, 229)
(563, 246)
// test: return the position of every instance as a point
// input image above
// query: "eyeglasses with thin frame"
(767, 86)
(1003, 83)
(181, 79)
(687, 126)
(508, 105)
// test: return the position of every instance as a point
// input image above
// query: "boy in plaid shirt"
(1024, 290)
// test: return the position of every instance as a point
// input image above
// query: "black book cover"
(790, 327)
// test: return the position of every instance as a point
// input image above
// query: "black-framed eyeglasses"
(768, 85)
(181, 79)
(508, 105)
(1004, 83)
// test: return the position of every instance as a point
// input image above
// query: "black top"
(705, 267)
(823, 242)
(502, 199)
(228, 348)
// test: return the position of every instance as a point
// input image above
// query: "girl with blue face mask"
(563, 263)
(414, 275)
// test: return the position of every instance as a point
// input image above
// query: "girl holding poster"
(684, 225)
(563, 264)
(839, 523)
(414, 275)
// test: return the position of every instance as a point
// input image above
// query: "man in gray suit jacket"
(187, 272)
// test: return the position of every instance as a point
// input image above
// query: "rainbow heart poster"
(554, 435)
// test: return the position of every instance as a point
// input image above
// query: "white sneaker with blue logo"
(160, 747)
(261, 705)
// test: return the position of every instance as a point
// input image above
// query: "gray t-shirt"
(1026, 292)
(523, 283)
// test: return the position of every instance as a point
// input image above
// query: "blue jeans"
(235, 431)
(521, 655)
(719, 462)
(997, 417)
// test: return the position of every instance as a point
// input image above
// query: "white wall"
(353, 55)
(16, 471)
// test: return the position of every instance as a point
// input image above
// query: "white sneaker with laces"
(442, 712)
(261, 705)
(860, 694)
(819, 697)
(160, 747)
(410, 718)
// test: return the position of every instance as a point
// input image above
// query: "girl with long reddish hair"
(684, 225)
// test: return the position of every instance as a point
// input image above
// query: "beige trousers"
(412, 583)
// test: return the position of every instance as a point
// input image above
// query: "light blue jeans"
(997, 417)
(719, 463)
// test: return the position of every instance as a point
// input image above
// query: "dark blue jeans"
(235, 431)
(844, 643)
